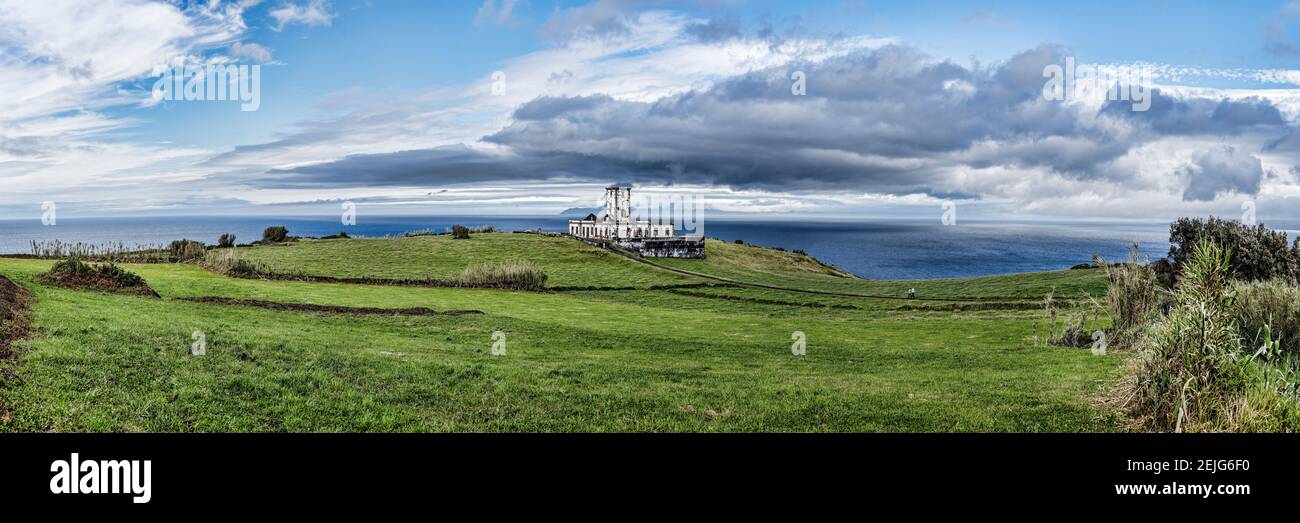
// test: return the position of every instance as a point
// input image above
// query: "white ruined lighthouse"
(616, 222)
(615, 226)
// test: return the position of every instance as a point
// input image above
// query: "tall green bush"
(1183, 375)
(275, 234)
(1269, 311)
(226, 241)
(1258, 253)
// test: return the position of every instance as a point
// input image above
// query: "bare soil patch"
(92, 283)
(309, 307)
(15, 323)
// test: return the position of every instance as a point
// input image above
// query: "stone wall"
(666, 247)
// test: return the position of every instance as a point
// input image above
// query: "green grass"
(567, 262)
(772, 267)
(643, 360)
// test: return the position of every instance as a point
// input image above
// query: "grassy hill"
(783, 269)
(566, 262)
(664, 359)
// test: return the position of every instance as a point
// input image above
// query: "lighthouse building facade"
(616, 222)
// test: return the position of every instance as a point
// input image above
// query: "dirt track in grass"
(308, 307)
(14, 324)
(14, 301)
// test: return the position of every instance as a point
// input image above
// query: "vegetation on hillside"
(275, 234)
(74, 273)
(1199, 368)
(187, 250)
(522, 275)
(566, 262)
(641, 349)
(1257, 253)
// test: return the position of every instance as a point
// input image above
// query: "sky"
(775, 109)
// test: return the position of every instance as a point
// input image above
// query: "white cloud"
(311, 13)
(257, 53)
(63, 69)
(67, 71)
(499, 12)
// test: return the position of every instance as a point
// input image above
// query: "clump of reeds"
(229, 263)
(187, 250)
(1195, 371)
(113, 252)
(1132, 297)
(1269, 311)
(517, 275)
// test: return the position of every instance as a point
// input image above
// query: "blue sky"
(389, 103)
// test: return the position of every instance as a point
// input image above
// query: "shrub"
(1192, 372)
(73, 272)
(72, 266)
(460, 232)
(1074, 332)
(226, 241)
(1258, 253)
(740, 241)
(518, 275)
(187, 250)
(342, 235)
(1164, 273)
(1268, 311)
(1132, 297)
(275, 234)
(119, 276)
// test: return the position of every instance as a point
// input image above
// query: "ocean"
(892, 249)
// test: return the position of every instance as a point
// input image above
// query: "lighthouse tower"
(618, 204)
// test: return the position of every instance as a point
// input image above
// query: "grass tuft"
(517, 275)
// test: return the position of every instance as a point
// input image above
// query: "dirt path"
(15, 323)
(309, 307)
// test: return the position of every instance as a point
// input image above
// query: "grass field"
(664, 359)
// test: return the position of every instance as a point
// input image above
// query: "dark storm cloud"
(1175, 116)
(459, 164)
(1220, 171)
(873, 120)
(888, 121)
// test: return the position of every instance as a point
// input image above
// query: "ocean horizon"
(873, 249)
